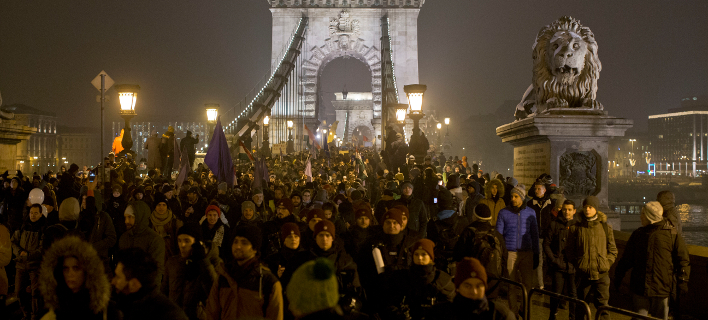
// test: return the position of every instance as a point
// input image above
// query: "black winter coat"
(149, 304)
(656, 254)
(421, 286)
(554, 245)
(418, 218)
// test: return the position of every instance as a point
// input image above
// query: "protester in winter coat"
(418, 213)
(359, 233)
(332, 214)
(194, 207)
(166, 225)
(15, 198)
(187, 144)
(190, 274)
(667, 200)
(137, 290)
(493, 192)
(474, 198)
(473, 241)
(592, 251)
(517, 223)
(115, 207)
(262, 207)
(154, 161)
(560, 269)
(74, 284)
(27, 248)
(290, 238)
(471, 301)
(245, 289)
(419, 288)
(249, 216)
(140, 235)
(213, 229)
(272, 229)
(656, 253)
(445, 230)
(101, 233)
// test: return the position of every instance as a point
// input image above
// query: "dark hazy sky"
(473, 55)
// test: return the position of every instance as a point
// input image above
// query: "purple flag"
(218, 158)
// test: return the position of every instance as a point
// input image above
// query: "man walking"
(656, 253)
(592, 251)
(517, 223)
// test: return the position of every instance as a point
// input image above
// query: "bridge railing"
(263, 100)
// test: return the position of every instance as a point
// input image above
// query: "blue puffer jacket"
(519, 227)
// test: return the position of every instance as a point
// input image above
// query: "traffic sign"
(96, 82)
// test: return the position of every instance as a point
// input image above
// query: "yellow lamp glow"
(266, 120)
(212, 111)
(447, 121)
(401, 115)
(415, 97)
(439, 125)
(127, 96)
(290, 124)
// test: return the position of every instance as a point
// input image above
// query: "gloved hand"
(198, 252)
(536, 260)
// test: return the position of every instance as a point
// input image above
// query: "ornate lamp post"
(439, 125)
(212, 111)
(448, 145)
(265, 148)
(127, 95)
(418, 143)
(291, 144)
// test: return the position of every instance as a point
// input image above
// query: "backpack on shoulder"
(487, 249)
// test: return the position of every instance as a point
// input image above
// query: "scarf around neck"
(159, 220)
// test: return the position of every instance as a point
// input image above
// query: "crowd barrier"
(573, 301)
(524, 294)
(610, 309)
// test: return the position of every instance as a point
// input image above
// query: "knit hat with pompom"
(313, 287)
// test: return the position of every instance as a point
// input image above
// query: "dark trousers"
(27, 291)
(562, 283)
(600, 289)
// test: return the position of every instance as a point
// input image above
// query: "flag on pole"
(218, 158)
(312, 138)
(366, 139)
(243, 152)
(308, 170)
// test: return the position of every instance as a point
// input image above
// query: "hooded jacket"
(29, 239)
(590, 249)
(418, 218)
(188, 281)
(667, 201)
(143, 237)
(554, 244)
(473, 200)
(92, 300)
(249, 291)
(495, 204)
(656, 254)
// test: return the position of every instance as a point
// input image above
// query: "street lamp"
(632, 161)
(265, 149)
(127, 96)
(418, 144)
(212, 111)
(291, 144)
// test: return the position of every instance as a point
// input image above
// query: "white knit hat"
(653, 211)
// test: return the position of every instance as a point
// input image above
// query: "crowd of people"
(294, 237)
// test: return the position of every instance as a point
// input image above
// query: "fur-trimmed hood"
(488, 188)
(95, 279)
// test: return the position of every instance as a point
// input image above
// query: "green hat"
(313, 287)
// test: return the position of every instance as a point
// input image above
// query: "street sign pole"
(103, 99)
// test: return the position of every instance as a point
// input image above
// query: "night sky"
(473, 55)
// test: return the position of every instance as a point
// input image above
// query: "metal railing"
(632, 314)
(524, 294)
(553, 295)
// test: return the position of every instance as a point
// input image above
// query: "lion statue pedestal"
(560, 128)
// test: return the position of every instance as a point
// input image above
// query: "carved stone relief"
(578, 173)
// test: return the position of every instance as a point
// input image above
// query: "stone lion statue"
(566, 68)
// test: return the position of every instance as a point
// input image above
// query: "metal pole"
(103, 98)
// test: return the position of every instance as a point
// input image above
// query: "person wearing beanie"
(560, 270)
(474, 198)
(445, 230)
(166, 224)
(332, 214)
(471, 301)
(27, 248)
(245, 288)
(296, 199)
(190, 274)
(494, 198)
(477, 235)
(249, 216)
(327, 246)
(356, 236)
(68, 224)
(592, 251)
(194, 208)
(417, 211)
(140, 235)
(423, 285)
(346, 208)
(543, 205)
(290, 239)
(313, 291)
(261, 206)
(655, 252)
(271, 229)
(517, 224)
(213, 228)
